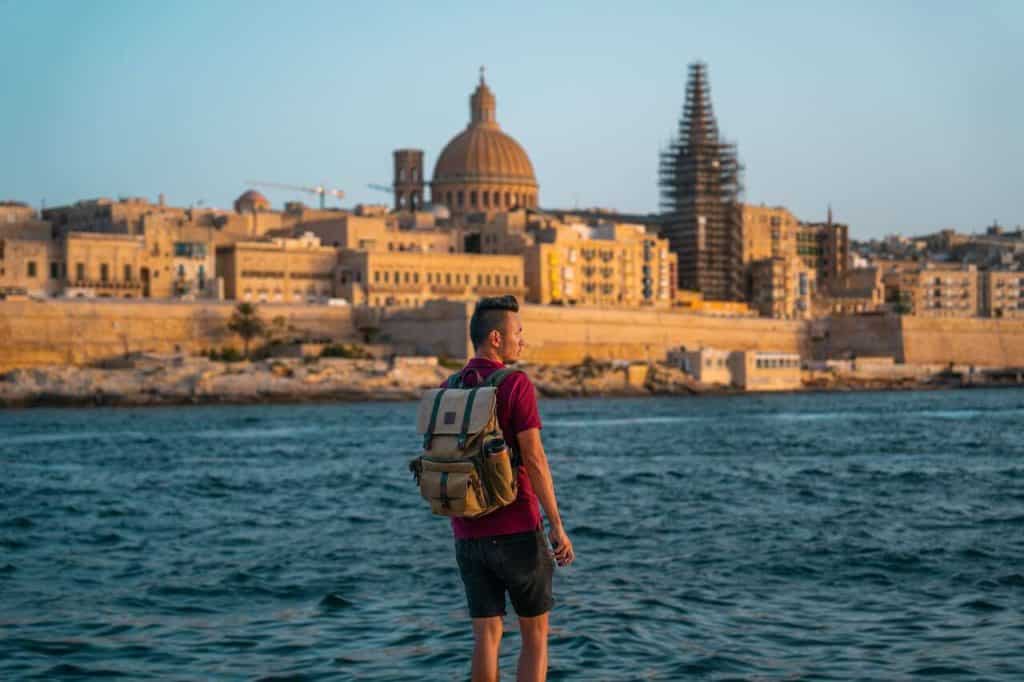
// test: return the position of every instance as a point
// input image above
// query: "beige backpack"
(466, 468)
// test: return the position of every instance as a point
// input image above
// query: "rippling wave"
(838, 536)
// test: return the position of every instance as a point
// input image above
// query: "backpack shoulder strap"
(500, 375)
(454, 381)
(495, 380)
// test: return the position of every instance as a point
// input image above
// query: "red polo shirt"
(517, 412)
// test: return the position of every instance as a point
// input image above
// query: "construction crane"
(381, 188)
(319, 189)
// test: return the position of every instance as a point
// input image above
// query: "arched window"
(485, 199)
(497, 199)
(472, 199)
(508, 200)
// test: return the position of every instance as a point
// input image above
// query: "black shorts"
(519, 564)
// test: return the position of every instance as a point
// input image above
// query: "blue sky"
(905, 116)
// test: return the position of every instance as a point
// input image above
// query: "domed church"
(482, 168)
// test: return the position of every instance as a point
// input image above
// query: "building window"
(31, 268)
(79, 271)
(485, 199)
(448, 198)
(415, 278)
(376, 276)
(459, 198)
(54, 270)
(447, 278)
(127, 273)
(104, 272)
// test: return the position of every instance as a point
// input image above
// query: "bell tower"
(408, 180)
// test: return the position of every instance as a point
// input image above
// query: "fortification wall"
(557, 334)
(857, 336)
(79, 332)
(978, 341)
(438, 328)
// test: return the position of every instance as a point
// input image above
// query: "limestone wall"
(83, 331)
(78, 332)
(557, 334)
(979, 341)
(856, 336)
(438, 328)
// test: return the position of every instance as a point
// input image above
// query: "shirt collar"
(481, 363)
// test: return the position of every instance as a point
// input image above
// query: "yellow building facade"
(29, 267)
(397, 278)
(945, 290)
(1002, 294)
(768, 232)
(611, 265)
(782, 288)
(283, 270)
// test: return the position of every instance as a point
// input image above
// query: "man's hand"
(561, 545)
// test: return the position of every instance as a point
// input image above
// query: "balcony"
(99, 284)
(391, 287)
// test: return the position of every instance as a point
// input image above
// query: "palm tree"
(246, 324)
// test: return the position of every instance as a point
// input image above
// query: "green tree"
(246, 324)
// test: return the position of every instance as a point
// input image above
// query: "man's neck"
(489, 355)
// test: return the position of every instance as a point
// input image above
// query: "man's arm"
(536, 462)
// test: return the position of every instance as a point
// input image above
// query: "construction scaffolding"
(700, 178)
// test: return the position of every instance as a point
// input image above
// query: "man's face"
(511, 343)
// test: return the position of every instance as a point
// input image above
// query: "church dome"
(251, 202)
(483, 165)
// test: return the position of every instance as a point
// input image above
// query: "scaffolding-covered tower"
(701, 184)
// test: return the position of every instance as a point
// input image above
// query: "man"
(505, 550)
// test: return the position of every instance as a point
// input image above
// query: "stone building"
(935, 290)
(860, 290)
(782, 288)
(482, 169)
(29, 267)
(825, 247)
(1002, 293)
(768, 232)
(409, 278)
(281, 270)
(379, 233)
(611, 265)
(103, 265)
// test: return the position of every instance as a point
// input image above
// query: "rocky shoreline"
(179, 380)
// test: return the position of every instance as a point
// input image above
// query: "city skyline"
(902, 119)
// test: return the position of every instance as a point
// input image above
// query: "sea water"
(809, 536)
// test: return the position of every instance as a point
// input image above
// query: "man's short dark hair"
(489, 315)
